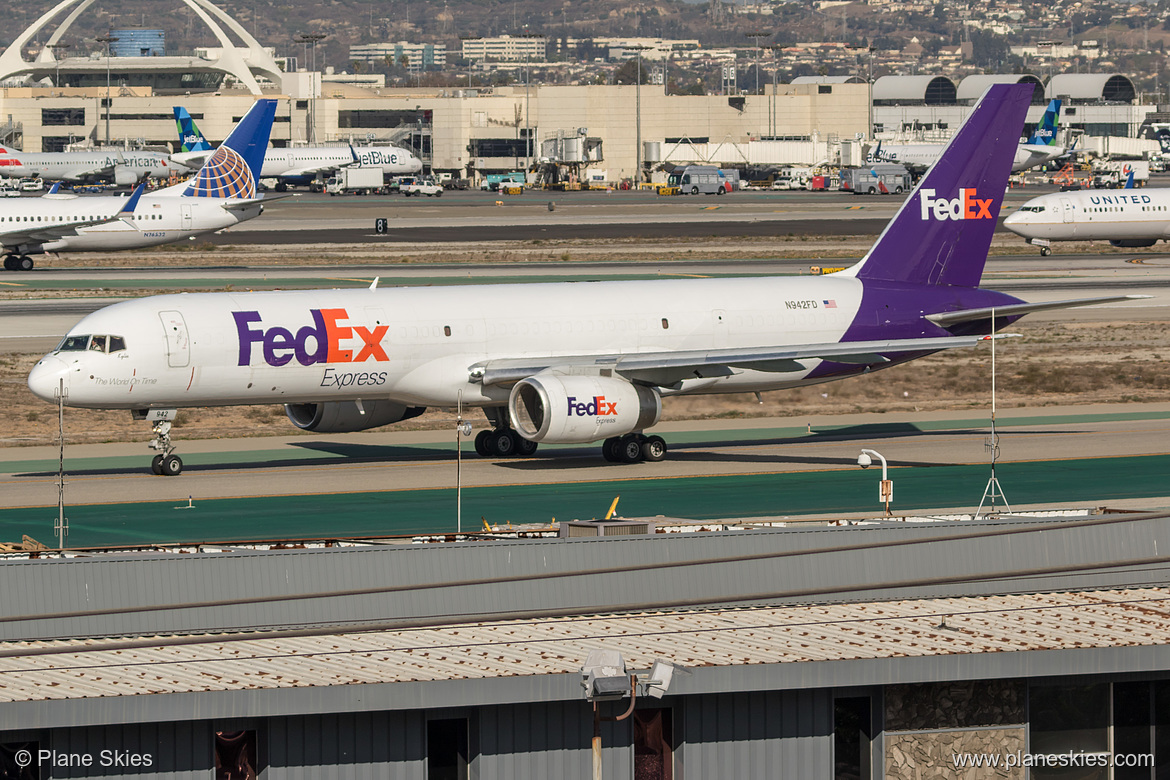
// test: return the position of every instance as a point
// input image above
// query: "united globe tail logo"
(225, 175)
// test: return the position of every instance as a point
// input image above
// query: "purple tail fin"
(942, 233)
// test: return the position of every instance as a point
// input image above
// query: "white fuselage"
(127, 167)
(160, 218)
(419, 346)
(1133, 214)
(924, 155)
(299, 161)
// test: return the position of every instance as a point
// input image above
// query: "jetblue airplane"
(575, 363)
(1038, 149)
(221, 194)
(1127, 218)
(119, 167)
(294, 166)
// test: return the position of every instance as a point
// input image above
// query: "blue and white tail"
(942, 233)
(1045, 134)
(190, 138)
(234, 169)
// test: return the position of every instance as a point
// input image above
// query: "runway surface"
(390, 482)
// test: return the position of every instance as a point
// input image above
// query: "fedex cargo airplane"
(301, 165)
(221, 194)
(1125, 218)
(575, 363)
(1038, 149)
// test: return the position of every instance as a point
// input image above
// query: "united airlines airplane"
(576, 362)
(1124, 218)
(1038, 149)
(301, 165)
(221, 194)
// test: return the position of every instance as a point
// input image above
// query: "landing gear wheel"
(9, 263)
(630, 448)
(504, 442)
(654, 449)
(172, 466)
(25, 263)
(156, 465)
(1045, 251)
(525, 448)
(483, 444)
(611, 449)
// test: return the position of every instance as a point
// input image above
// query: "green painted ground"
(414, 511)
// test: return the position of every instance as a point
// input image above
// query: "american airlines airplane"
(119, 167)
(301, 165)
(576, 363)
(1038, 149)
(1124, 218)
(221, 194)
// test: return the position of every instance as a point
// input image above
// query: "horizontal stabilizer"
(947, 318)
(247, 203)
(699, 362)
(132, 201)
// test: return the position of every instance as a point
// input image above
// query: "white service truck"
(355, 180)
(426, 187)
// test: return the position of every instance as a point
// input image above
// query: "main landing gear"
(165, 464)
(502, 441)
(634, 447)
(18, 263)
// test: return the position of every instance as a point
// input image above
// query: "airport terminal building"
(881, 650)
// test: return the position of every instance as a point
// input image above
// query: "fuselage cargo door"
(1066, 210)
(178, 340)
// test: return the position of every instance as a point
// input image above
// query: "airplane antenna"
(62, 524)
(374, 285)
(993, 489)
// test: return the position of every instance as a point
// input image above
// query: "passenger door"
(178, 340)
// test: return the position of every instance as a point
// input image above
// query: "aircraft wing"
(240, 205)
(84, 174)
(668, 368)
(313, 170)
(948, 318)
(192, 159)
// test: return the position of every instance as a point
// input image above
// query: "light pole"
(311, 39)
(57, 48)
(107, 40)
(886, 491)
(757, 37)
(638, 116)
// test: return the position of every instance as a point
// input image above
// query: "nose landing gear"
(165, 463)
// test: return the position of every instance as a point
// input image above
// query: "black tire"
(438, 194)
(483, 444)
(172, 466)
(872, 191)
(654, 449)
(9, 263)
(897, 190)
(25, 263)
(719, 191)
(504, 442)
(630, 448)
(1045, 251)
(525, 448)
(694, 190)
(156, 465)
(611, 449)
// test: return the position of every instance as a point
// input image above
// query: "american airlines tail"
(942, 233)
(234, 169)
(190, 139)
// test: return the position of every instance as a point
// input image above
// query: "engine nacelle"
(576, 409)
(346, 417)
(1130, 243)
(124, 176)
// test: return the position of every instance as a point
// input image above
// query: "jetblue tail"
(1045, 134)
(190, 139)
(942, 233)
(234, 169)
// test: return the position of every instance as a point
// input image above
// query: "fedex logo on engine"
(320, 342)
(966, 206)
(598, 407)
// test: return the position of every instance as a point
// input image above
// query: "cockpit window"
(1035, 209)
(101, 343)
(74, 344)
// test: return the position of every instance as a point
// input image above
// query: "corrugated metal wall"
(378, 745)
(119, 583)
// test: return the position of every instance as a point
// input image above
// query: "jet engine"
(347, 416)
(124, 176)
(570, 409)
(1129, 243)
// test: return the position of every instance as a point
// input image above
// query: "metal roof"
(1092, 87)
(921, 628)
(972, 87)
(828, 80)
(929, 90)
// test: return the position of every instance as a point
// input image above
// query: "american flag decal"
(830, 304)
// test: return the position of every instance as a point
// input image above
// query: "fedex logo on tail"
(320, 342)
(966, 206)
(598, 407)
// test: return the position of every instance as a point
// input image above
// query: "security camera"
(864, 460)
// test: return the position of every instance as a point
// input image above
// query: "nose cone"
(45, 379)
(1018, 223)
(415, 164)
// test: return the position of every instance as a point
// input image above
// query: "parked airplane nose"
(45, 378)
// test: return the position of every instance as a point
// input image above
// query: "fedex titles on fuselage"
(320, 342)
(966, 206)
